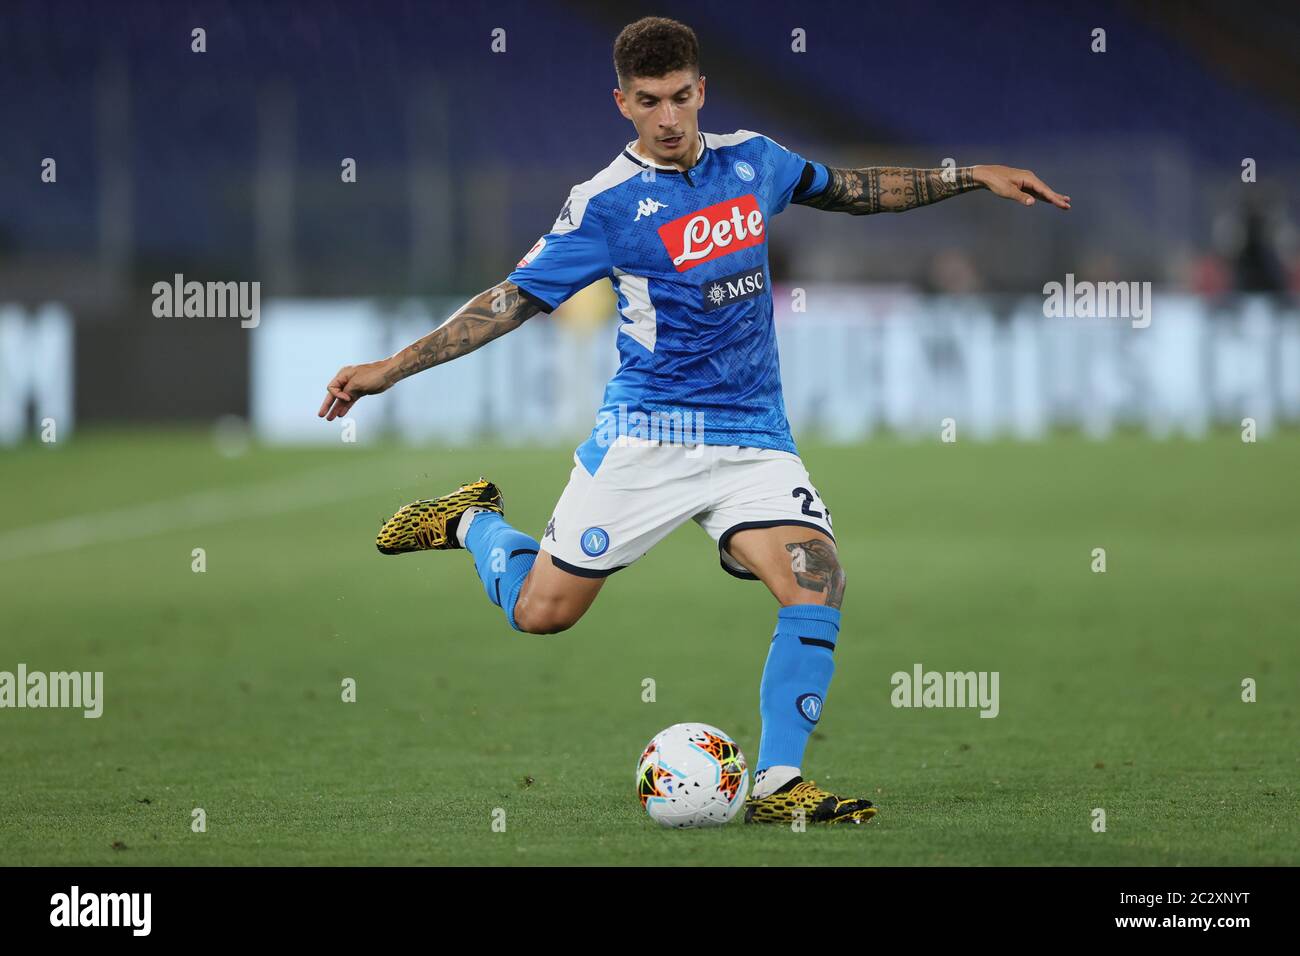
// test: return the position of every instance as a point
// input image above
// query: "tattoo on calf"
(816, 567)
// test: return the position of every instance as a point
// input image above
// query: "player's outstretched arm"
(489, 315)
(861, 192)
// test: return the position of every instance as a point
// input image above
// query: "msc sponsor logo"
(713, 232)
(733, 288)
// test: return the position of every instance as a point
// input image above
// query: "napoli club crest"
(810, 705)
(595, 542)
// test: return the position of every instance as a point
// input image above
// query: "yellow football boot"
(817, 805)
(430, 524)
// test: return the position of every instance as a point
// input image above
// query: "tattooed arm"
(861, 192)
(487, 316)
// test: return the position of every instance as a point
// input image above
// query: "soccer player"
(693, 423)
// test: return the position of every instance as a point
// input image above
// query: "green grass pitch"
(1119, 691)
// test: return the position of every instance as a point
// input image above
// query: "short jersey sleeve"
(795, 178)
(570, 257)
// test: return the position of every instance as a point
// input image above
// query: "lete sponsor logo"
(713, 232)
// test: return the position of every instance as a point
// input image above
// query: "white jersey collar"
(631, 151)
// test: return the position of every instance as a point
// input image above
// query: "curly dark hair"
(654, 47)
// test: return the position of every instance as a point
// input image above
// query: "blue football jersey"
(686, 253)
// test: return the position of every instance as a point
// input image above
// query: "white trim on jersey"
(615, 174)
(621, 170)
(631, 148)
(639, 310)
(717, 140)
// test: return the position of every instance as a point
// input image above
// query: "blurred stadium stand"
(225, 165)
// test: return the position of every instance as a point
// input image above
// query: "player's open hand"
(1018, 184)
(352, 382)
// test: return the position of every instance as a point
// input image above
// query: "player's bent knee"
(546, 618)
(553, 600)
(545, 625)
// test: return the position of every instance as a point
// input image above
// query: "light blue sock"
(502, 557)
(800, 663)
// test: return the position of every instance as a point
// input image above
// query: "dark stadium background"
(226, 164)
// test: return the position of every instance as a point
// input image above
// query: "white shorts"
(642, 490)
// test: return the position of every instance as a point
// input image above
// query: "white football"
(692, 775)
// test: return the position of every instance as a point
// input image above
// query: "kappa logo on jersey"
(566, 214)
(648, 207)
(732, 288)
(532, 253)
(713, 232)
